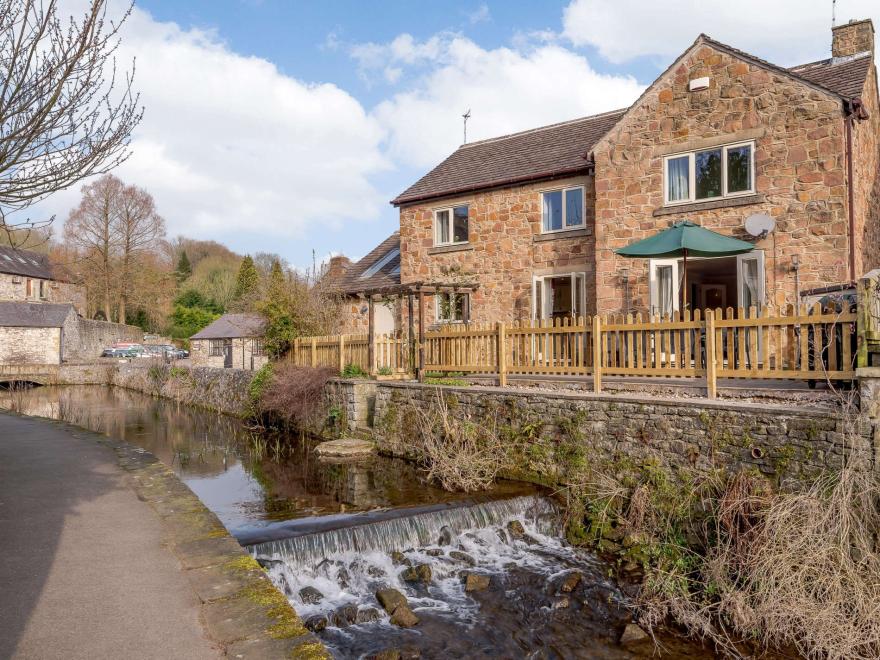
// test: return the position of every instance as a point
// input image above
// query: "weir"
(398, 529)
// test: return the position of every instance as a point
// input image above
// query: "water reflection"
(247, 478)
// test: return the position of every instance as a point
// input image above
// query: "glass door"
(750, 279)
(664, 286)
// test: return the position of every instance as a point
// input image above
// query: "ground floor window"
(712, 283)
(559, 296)
(452, 307)
(258, 347)
(216, 347)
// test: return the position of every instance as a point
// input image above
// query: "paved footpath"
(96, 561)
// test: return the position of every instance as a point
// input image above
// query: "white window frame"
(446, 294)
(546, 301)
(754, 255)
(654, 290)
(379, 265)
(692, 175)
(450, 210)
(565, 225)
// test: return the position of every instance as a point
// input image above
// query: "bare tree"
(64, 116)
(140, 228)
(93, 229)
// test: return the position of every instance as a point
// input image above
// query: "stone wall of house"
(800, 173)
(30, 345)
(866, 174)
(505, 249)
(15, 288)
(243, 356)
(84, 339)
(354, 318)
(784, 442)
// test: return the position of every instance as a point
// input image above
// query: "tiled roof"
(539, 153)
(844, 76)
(33, 315)
(388, 275)
(233, 325)
(14, 261)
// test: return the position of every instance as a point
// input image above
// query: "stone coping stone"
(345, 448)
(241, 609)
(624, 398)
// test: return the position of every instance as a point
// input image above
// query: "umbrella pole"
(684, 293)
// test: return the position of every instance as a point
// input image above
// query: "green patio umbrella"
(685, 239)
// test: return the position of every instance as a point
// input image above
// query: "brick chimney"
(852, 38)
(336, 268)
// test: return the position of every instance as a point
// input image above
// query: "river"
(332, 534)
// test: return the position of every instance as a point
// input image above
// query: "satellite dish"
(760, 224)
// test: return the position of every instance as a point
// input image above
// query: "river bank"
(85, 506)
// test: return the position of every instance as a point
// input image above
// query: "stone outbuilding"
(28, 276)
(51, 333)
(232, 341)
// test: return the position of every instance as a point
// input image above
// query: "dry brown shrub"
(459, 453)
(296, 395)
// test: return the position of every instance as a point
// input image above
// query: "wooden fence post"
(314, 351)
(421, 368)
(371, 338)
(597, 354)
(296, 351)
(341, 353)
(502, 355)
(711, 364)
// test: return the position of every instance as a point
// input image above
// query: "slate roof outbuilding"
(231, 326)
(14, 261)
(34, 315)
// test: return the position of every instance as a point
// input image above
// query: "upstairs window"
(562, 209)
(451, 306)
(451, 225)
(715, 173)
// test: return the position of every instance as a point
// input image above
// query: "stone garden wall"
(550, 428)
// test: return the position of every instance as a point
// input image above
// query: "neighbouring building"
(377, 273)
(52, 333)
(28, 276)
(526, 225)
(234, 341)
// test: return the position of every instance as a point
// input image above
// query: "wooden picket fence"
(391, 354)
(791, 343)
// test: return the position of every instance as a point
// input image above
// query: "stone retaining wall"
(355, 399)
(781, 441)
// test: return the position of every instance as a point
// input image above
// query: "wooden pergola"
(412, 291)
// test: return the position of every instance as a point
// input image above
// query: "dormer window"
(716, 173)
(451, 225)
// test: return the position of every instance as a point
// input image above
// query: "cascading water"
(331, 577)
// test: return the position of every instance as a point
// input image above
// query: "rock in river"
(418, 573)
(462, 556)
(345, 616)
(368, 615)
(406, 653)
(316, 623)
(571, 581)
(400, 559)
(476, 582)
(516, 529)
(404, 617)
(632, 635)
(310, 595)
(390, 599)
(446, 536)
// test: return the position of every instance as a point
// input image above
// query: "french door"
(559, 296)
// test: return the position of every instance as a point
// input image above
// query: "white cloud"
(480, 15)
(786, 32)
(507, 89)
(231, 145)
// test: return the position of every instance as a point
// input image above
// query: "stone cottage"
(52, 333)
(28, 276)
(526, 225)
(234, 341)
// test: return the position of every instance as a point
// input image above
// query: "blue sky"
(283, 126)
